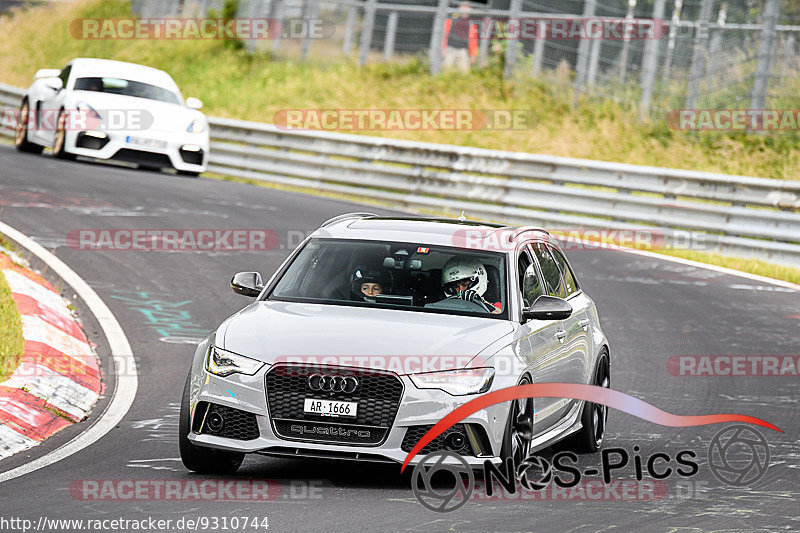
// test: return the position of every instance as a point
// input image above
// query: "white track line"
(124, 362)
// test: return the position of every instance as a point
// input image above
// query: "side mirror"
(194, 103)
(548, 308)
(46, 73)
(54, 83)
(247, 284)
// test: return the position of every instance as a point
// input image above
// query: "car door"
(582, 311)
(544, 347)
(50, 106)
(566, 361)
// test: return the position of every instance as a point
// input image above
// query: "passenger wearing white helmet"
(465, 278)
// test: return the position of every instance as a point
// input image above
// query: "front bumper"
(149, 147)
(417, 407)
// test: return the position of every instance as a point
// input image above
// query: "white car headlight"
(456, 382)
(224, 363)
(198, 125)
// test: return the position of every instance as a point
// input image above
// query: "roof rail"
(517, 231)
(346, 216)
(524, 229)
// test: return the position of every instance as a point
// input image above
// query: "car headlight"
(198, 125)
(456, 382)
(223, 363)
(83, 107)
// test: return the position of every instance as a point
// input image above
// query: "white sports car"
(107, 109)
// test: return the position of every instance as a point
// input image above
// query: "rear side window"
(529, 284)
(566, 272)
(550, 271)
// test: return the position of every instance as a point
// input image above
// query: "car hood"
(154, 114)
(271, 331)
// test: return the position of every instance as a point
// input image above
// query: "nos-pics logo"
(443, 481)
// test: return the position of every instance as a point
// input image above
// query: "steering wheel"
(455, 303)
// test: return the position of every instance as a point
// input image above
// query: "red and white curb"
(58, 379)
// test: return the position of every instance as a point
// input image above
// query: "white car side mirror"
(194, 103)
(54, 83)
(46, 73)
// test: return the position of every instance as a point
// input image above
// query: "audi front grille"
(377, 394)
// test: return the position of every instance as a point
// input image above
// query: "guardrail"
(733, 215)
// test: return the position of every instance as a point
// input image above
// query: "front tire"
(519, 429)
(60, 140)
(198, 458)
(590, 438)
(21, 142)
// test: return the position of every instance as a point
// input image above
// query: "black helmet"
(367, 274)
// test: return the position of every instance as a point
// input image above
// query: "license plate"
(150, 143)
(329, 407)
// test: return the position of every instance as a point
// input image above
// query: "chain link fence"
(703, 54)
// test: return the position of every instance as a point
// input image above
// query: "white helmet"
(461, 268)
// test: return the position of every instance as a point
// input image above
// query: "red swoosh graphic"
(590, 393)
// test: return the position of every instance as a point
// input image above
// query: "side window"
(529, 284)
(566, 271)
(552, 276)
(65, 75)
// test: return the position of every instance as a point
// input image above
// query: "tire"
(519, 429)
(590, 438)
(21, 142)
(188, 173)
(60, 139)
(198, 458)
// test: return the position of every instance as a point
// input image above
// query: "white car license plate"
(330, 407)
(150, 143)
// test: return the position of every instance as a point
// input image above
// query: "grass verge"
(11, 340)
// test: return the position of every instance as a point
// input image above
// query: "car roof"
(434, 231)
(91, 67)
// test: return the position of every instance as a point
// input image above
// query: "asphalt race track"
(651, 309)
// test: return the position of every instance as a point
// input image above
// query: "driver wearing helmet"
(367, 282)
(465, 278)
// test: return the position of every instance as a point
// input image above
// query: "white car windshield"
(397, 275)
(136, 89)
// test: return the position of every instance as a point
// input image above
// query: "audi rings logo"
(328, 383)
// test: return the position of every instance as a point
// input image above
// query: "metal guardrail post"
(761, 75)
(513, 44)
(649, 60)
(583, 49)
(699, 55)
(538, 47)
(349, 30)
(367, 27)
(310, 14)
(437, 37)
(391, 33)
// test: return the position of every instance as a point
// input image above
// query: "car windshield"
(128, 88)
(396, 275)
